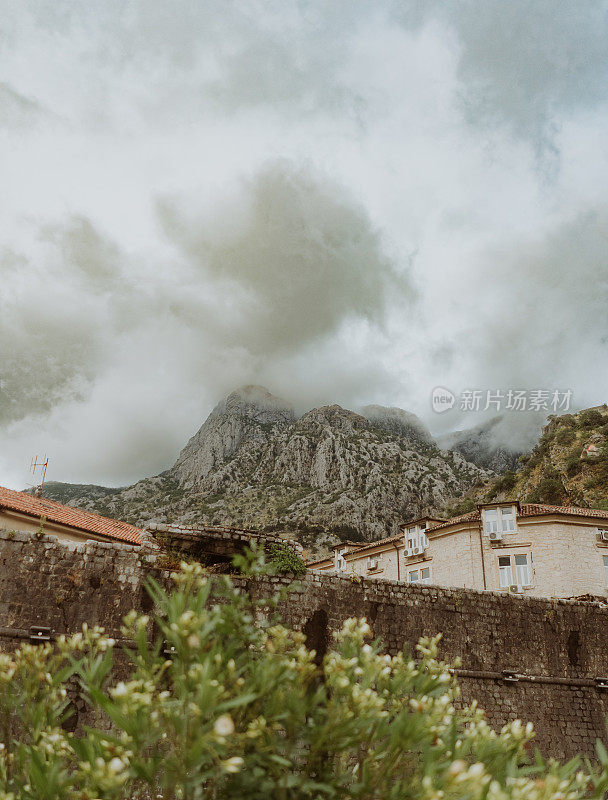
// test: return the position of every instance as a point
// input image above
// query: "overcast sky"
(348, 202)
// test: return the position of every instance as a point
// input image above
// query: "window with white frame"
(416, 537)
(373, 562)
(419, 575)
(603, 534)
(522, 570)
(514, 569)
(505, 573)
(606, 568)
(340, 560)
(499, 520)
(412, 538)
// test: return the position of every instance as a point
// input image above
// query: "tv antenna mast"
(42, 465)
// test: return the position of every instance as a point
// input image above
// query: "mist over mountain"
(332, 473)
(485, 445)
(329, 474)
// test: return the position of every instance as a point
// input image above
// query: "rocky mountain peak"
(397, 421)
(335, 417)
(332, 473)
(257, 404)
(246, 414)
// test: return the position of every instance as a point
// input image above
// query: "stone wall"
(529, 658)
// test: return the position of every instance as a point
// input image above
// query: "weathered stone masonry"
(532, 658)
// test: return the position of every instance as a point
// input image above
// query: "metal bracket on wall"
(509, 676)
(40, 633)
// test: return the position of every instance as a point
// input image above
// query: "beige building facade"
(528, 549)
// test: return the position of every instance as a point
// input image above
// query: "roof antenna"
(43, 464)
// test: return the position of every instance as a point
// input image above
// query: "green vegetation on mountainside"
(568, 466)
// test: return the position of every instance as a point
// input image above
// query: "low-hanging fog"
(346, 202)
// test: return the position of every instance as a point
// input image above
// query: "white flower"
(116, 765)
(233, 764)
(224, 725)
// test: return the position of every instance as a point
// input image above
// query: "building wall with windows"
(546, 551)
(383, 560)
(401, 557)
(552, 554)
(454, 557)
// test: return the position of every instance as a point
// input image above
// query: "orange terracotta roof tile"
(371, 545)
(84, 521)
(319, 561)
(526, 510)
(471, 516)
(535, 509)
(529, 510)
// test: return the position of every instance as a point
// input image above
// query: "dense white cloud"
(348, 202)
(291, 258)
(524, 63)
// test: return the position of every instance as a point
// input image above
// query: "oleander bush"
(227, 702)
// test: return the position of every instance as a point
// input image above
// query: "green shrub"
(466, 505)
(345, 531)
(591, 418)
(241, 709)
(506, 483)
(565, 436)
(572, 464)
(283, 559)
(549, 489)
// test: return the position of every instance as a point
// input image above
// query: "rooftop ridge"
(53, 511)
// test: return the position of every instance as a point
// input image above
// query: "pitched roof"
(371, 545)
(366, 546)
(421, 519)
(347, 543)
(525, 510)
(471, 516)
(84, 521)
(528, 510)
(319, 561)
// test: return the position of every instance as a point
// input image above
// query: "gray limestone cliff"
(332, 473)
(246, 415)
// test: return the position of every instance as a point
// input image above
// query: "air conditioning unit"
(372, 563)
(515, 588)
(417, 551)
(495, 536)
(603, 536)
